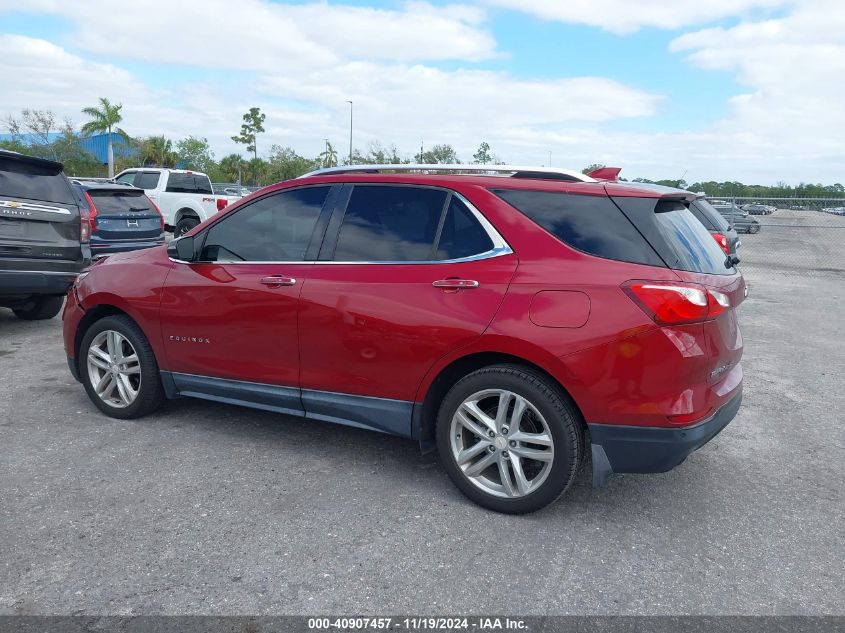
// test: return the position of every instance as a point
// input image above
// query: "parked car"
(721, 230)
(120, 217)
(757, 209)
(738, 218)
(43, 241)
(185, 198)
(239, 192)
(512, 322)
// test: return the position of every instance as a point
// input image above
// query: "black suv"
(43, 236)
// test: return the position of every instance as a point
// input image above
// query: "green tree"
(439, 154)
(232, 168)
(105, 119)
(328, 157)
(67, 149)
(284, 163)
(195, 153)
(482, 156)
(252, 126)
(257, 169)
(159, 151)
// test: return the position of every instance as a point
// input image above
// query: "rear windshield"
(21, 179)
(711, 218)
(188, 183)
(676, 234)
(592, 224)
(120, 201)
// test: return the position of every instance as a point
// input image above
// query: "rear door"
(39, 216)
(124, 214)
(406, 275)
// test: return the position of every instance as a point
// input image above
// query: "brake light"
(722, 240)
(670, 303)
(222, 203)
(155, 206)
(92, 215)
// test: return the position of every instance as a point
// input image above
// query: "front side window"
(276, 228)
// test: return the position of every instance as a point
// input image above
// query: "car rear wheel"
(754, 228)
(41, 308)
(509, 439)
(119, 370)
(184, 225)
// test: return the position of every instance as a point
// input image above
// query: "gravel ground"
(213, 509)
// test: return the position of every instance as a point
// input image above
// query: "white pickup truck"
(185, 198)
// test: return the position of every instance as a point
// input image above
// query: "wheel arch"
(438, 384)
(91, 316)
(186, 212)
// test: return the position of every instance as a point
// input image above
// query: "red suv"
(513, 320)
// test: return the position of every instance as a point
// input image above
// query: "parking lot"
(214, 509)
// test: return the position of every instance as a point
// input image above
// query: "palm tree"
(329, 157)
(159, 150)
(105, 119)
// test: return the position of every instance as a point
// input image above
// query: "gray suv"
(43, 236)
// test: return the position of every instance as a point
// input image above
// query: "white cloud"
(627, 16)
(262, 35)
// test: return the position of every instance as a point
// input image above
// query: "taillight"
(670, 303)
(722, 240)
(155, 206)
(92, 215)
(222, 203)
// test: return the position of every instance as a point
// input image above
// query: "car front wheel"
(119, 370)
(509, 439)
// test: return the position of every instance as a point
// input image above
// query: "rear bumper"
(104, 248)
(632, 449)
(21, 284)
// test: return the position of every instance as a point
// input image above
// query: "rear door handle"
(278, 280)
(455, 284)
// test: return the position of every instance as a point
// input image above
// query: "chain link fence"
(798, 236)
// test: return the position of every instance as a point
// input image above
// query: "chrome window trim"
(29, 206)
(500, 247)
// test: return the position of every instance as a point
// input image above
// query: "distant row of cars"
(834, 210)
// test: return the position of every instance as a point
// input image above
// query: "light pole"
(550, 159)
(350, 131)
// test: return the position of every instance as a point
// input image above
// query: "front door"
(411, 274)
(232, 316)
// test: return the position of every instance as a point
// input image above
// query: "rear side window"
(188, 183)
(461, 235)
(676, 234)
(276, 228)
(390, 224)
(147, 180)
(592, 224)
(120, 201)
(22, 179)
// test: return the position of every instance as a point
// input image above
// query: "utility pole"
(550, 158)
(350, 131)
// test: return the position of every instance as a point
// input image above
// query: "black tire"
(562, 419)
(754, 228)
(150, 391)
(41, 308)
(184, 225)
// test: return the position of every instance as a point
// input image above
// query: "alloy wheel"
(502, 443)
(114, 369)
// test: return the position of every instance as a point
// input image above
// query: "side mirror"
(182, 248)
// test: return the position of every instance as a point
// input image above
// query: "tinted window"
(462, 235)
(390, 224)
(147, 180)
(691, 245)
(22, 179)
(592, 224)
(120, 201)
(188, 183)
(276, 228)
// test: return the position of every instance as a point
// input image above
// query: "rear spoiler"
(606, 173)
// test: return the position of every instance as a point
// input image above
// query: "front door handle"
(278, 280)
(455, 284)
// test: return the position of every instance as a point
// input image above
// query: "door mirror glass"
(182, 248)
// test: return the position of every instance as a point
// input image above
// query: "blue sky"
(656, 88)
